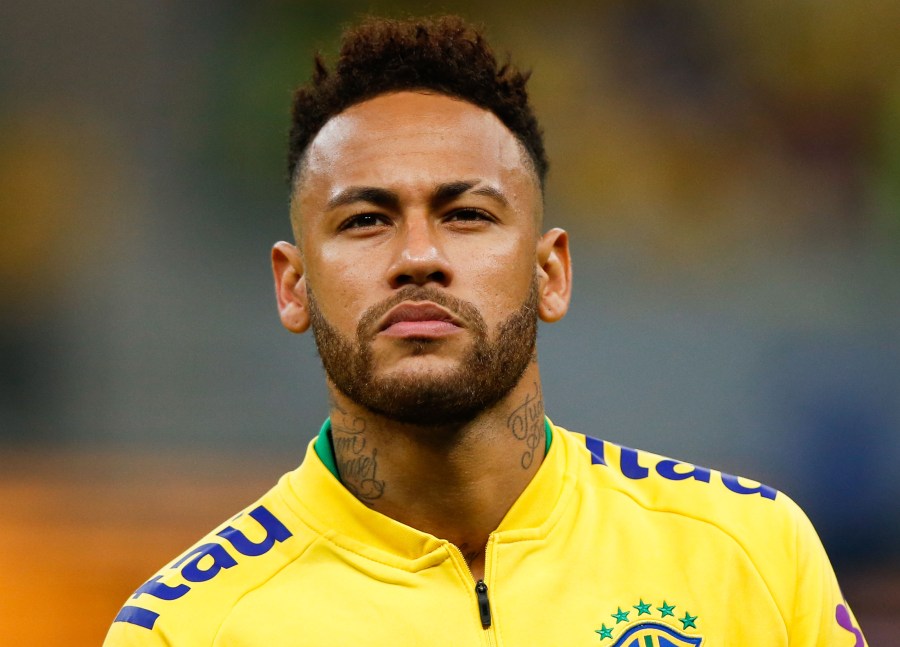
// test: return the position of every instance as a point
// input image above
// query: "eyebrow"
(371, 194)
(388, 199)
(451, 190)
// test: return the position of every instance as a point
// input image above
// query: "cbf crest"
(648, 625)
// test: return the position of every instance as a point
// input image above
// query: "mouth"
(421, 320)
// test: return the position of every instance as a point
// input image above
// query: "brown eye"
(362, 221)
(469, 215)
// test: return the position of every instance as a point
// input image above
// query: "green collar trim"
(325, 449)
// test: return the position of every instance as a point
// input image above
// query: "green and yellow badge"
(647, 625)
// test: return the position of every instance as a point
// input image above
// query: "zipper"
(481, 590)
(484, 604)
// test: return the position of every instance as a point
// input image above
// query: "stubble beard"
(488, 371)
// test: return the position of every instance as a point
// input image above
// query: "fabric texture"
(606, 546)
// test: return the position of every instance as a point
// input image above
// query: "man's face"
(417, 219)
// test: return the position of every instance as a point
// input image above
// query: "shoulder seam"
(258, 586)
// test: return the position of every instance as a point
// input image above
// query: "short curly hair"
(444, 54)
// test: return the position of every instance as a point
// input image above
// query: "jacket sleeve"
(821, 615)
(123, 633)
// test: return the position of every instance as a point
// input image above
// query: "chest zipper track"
(481, 590)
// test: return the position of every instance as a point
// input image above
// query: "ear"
(290, 287)
(554, 275)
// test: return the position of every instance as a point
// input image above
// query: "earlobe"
(290, 287)
(554, 275)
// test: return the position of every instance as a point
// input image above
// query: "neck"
(454, 482)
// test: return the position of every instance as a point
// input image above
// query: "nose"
(420, 257)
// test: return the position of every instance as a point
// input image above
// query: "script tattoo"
(527, 424)
(357, 461)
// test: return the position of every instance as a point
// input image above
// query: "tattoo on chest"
(526, 422)
(357, 460)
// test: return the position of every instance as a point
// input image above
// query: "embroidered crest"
(661, 627)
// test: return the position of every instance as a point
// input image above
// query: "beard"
(487, 372)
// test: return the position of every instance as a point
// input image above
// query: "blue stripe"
(137, 616)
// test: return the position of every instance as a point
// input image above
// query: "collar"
(333, 513)
(325, 447)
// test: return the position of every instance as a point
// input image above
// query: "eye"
(363, 221)
(469, 214)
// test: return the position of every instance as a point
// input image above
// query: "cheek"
(501, 278)
(341, 289)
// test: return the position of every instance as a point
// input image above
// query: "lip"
(419, 319)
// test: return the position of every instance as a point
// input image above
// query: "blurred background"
(729, 173)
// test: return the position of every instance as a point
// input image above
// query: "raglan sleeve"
(820, 616)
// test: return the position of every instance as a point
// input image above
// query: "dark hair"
(444, 54)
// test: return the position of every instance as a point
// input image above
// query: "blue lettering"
(733, 484)
(137, 616)
(192, 571)
(275, 532)
(666, 469)
(162, 591)
(630, 466)
(596, 448)
(213, 557)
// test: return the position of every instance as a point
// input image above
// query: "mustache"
(464, 310)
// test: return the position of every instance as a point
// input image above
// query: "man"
(438, 505)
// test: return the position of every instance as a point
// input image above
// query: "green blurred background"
(729, 172)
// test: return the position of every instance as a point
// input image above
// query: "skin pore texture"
(421, 268)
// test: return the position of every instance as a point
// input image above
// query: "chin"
(431, 398)
(428, 366)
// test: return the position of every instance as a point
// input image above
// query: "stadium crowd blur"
(729, 172)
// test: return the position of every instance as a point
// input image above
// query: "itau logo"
(650, 625)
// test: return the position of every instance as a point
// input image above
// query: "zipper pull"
(484, 605)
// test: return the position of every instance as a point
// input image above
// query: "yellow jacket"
(606, 546)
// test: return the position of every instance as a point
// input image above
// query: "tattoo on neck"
(526, 422)
(468, 554)
(357, 461)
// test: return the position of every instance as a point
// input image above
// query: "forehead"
(410, 139)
